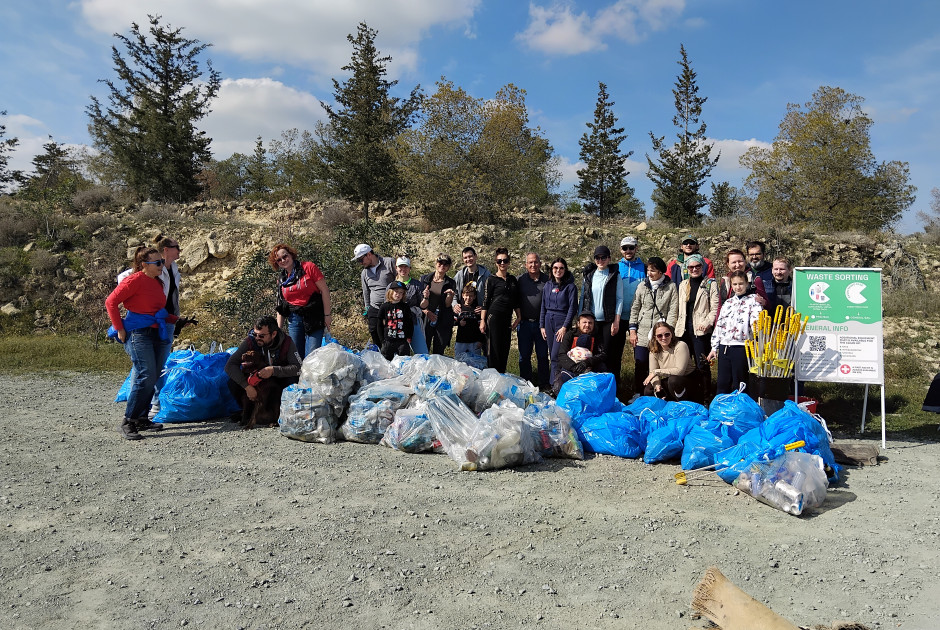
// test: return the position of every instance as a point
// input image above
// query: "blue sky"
(277, 58)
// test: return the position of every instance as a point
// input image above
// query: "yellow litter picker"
(772, 351)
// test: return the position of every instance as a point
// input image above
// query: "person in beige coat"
(672, 374)
(698, 310)
(656, 300)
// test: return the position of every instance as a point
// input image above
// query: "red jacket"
(138, 293)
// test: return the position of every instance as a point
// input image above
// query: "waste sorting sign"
(844, 337)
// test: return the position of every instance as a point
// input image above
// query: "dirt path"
(206, 526)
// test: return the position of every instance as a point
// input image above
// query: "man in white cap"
(632, 272)
(377, 273)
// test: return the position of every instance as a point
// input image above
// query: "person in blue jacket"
(632, 273)
(559, 305)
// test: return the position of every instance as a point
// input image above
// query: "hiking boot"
(128, 430)
(146, 424)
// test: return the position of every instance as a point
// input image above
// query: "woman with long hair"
(672, 373)
(559, 305)
(656, 301)
(303, 298)
(500, 303)
(438, 299)
(147, 335)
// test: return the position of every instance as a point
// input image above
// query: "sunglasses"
(602, 258)
(558, 268)
(155, 262)
(627, 247)
(689, 243)
(690, 267)
(286, 257)
(444, 262)
(502, 261)
(663, 335)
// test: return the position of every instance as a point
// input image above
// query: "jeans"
(148, 353)
(530, 334)
(304, 342)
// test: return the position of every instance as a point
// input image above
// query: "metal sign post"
(844, 340)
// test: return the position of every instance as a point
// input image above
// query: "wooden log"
(855, 453)
(730, 608)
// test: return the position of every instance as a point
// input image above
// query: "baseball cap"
(403, 260)
(601, 250)
(689, 237)
(361, 250)
(628, 240)
(396, 284)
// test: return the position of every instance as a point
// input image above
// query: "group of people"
(677, 316)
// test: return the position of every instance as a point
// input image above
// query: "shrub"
(92, 199)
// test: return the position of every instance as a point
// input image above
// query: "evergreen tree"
(147, 130)
(680, 170)
(602, 183)
(931, 219)
(7, 145)
(258, 172)
(724, 200)
(365, 122)
(821, 171)
(56, 176)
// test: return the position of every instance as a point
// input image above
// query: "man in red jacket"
(675, 268)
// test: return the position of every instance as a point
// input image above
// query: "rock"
(641, 227)
(218, 249)
(193, 255)
(133, 243)
(29, 246)
(70, 273)
(10, 309)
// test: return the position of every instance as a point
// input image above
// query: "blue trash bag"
(738, 411)
(611, 433)
(791, 424)
(665, 442)
(645, 402)
(590, 394)
(196, 389)
(171, 360)
(703, 442)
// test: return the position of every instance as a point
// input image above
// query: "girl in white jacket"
(735, 325)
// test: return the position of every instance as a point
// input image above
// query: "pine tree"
(56, 176)
(724, 200)
(602, 183)
(147, 130)
(364, 123)
(680, 170)
(258, 172)
(7, 145)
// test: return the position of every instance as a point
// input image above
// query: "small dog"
(256, 411)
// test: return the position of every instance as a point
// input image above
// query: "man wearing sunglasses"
(377, 273)
(632, 273)
(675, 268)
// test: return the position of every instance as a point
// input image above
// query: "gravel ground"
(207, 526)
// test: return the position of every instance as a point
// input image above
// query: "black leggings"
(498, 339)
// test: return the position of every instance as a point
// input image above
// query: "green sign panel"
(844, 340)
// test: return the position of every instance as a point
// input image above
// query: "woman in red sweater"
(303, 298)
(147, 335)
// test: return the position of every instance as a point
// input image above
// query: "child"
(469, 338)
(733, 327)
(395, 323)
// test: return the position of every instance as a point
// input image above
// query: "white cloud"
(731, 152)
(569, 171)
(300, 33)
(31, 134)
(559, 30)
(247, 108)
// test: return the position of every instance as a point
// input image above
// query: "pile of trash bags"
(481, 419)
(732, 435)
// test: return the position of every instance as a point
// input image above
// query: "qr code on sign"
(817, 343)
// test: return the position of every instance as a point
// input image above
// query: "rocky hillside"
(74, 262)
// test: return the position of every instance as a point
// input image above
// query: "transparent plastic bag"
(411, 432)
(375, 367)
(307, 415)
(439, 376)
(792, 483)
(500, 439)
(335, 372)
(372, 409)
(551, 428)
(473, 359)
